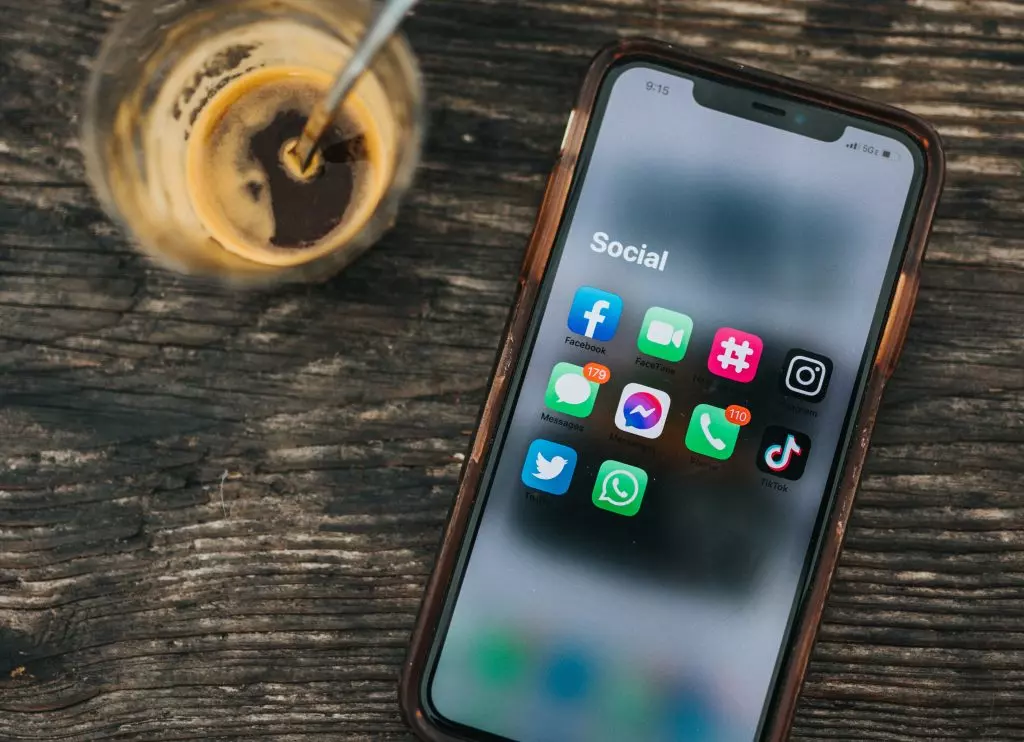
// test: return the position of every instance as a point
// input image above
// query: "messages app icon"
(619, 488)
(665, 334)
(569, 392)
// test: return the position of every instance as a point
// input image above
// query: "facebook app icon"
(594, 313)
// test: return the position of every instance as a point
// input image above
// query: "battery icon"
(886, 153)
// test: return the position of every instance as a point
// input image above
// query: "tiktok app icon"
(783, 452)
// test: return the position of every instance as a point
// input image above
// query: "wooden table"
(218, 510)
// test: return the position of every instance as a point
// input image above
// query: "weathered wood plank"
(218, 511)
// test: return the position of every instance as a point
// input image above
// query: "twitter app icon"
(549, 467)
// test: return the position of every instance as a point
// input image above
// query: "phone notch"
(779, 113)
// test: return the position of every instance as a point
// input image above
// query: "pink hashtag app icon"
(735, 354)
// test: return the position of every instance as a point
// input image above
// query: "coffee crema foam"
(245, 197)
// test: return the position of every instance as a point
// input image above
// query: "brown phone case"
(535, 263)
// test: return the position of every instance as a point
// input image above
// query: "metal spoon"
(381, 29)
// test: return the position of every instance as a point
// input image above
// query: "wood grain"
(218, 510)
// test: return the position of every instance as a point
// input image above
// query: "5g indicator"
(870, 149)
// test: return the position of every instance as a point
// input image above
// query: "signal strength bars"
(853, 145)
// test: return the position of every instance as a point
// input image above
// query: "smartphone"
(716, 290)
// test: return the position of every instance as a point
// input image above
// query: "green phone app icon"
(569, 392)
(619, 488)
(710, 433)
(665, 334)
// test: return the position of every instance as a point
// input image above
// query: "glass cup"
(188, 105)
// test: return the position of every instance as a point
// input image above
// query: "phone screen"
(656, 490)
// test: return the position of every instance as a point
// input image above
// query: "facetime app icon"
(665, 334)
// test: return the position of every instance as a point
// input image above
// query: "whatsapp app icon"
(619, 488)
